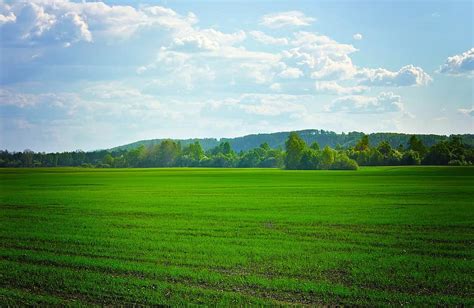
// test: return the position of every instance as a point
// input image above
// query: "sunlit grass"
(233, 236)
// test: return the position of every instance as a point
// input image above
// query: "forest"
(296, 154)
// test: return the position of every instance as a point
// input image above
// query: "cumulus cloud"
(384, 102)
(73, 29)
(48, 22)
(263, 38)
(285, 19)
(332, 87)
(462, 64)
(408, 75)
(357, 36)
(320, 56)
(291, 73)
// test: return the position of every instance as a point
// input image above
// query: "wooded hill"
(322, 137)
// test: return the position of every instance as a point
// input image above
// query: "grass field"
(377, 236)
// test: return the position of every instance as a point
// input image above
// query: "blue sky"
(89, 75)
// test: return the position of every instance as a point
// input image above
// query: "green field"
(377, 236)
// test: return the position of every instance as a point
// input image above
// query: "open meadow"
(377, 236)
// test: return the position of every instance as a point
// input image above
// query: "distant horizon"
(219, 139)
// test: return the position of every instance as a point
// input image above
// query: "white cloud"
(467, 111)
(268, 39)
(408, 75)
(112, 91)
(320, 56)
(462, 64)
(258, 72)
(241, 53)
(185, 68)
(332, 87)
(10, 98)
(384, 102)
(207, 39)
(328, 68)
(38, 22)
(177, 70)
(357, 36)
(7, 18)
(275, 87)
(73, 29)
(259, 105)
(285, 19)
(104, 99)
(291, 73)
(192, 58)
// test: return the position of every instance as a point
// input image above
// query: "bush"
(342, 162)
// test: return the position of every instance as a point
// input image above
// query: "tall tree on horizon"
(295, 147)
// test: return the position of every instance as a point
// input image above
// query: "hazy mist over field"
(93, 75)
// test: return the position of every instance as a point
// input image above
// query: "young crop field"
(377, 236)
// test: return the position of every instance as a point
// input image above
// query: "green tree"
(168, 151)
(411, 157)
(315, 146)
(362, 144)
(251, 159)
(328, 156)
(226, 148)
(134, 156)
(310, 160)
(439, 154)
(274, 158)
(194, 150)
(108, 160)
(265, 146)
(223, 148)
(384, 148)
(27, 158)
(417, 145)
(294, 151)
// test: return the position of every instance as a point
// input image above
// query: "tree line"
(297, 154)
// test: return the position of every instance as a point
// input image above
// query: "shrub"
(342, 162)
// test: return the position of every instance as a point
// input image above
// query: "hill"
(277, 140)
